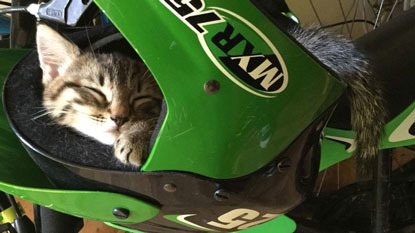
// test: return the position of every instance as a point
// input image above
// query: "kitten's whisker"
(145, 73)
(49, 112)
(41, 111)
(41, 115)
(90, 44)
(149, 76)
(89, 116)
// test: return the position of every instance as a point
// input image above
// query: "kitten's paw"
(127, 152)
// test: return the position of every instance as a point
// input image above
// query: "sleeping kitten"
(109, 97)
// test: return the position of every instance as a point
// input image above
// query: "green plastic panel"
(86, 204)
(13, 158)
(20, 176)
(237, 130)
(400, 130)
(282, 224)
(338, 145)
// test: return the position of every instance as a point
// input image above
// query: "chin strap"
(61, 11)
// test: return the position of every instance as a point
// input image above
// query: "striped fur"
(368, 111)
(108, 97)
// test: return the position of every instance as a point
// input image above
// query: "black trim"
(4, 202)
(269, 190)
(412, 129)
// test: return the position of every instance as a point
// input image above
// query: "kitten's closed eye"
(97, 92)
(137, 101)
(146, 104)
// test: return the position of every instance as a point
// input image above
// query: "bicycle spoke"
(378, 13)
(371, 7)
(392, 10)
(321, 183)
(399, 165)
(351, 8)
(347, 16)
(344, 17)
(365, 17)
(338, 176)
(354, 18)
(315, 12)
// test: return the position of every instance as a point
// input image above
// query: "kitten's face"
(97, 94)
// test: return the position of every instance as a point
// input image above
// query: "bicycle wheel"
(350, 18)
(335, 207)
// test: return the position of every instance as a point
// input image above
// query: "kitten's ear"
(55, 52)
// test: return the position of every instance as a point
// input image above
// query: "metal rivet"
(211, 87)
(121, 213)
(271, 171)
(221, 195)
(320, 125)
(283, 165)
(304, 181)
(171, 188)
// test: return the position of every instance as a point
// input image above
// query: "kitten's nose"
(119, 120)
(119, 112)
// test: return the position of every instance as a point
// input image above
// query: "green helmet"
(238, 141)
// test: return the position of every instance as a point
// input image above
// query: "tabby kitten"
(109, 97)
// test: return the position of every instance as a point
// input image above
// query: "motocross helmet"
(237, 141)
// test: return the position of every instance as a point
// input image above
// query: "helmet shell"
(270, 88)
